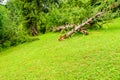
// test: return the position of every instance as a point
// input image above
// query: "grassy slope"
(92, 57)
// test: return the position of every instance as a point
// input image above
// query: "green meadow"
(80, 57)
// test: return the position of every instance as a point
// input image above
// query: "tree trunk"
(34, 31)
(63, 27)
(90, 20)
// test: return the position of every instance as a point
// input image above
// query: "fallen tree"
(88, 21)
(113, 7)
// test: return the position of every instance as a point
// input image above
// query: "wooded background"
(21, 19)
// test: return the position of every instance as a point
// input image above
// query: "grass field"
(92, 57)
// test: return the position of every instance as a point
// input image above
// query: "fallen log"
(90, 20)
(58, 28)
(63, 27)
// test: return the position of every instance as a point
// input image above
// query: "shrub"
(6, 44)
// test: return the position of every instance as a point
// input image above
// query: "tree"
(28, 11)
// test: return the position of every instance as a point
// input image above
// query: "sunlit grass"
(92, 57)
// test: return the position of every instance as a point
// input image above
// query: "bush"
(59, 16)
(6, 44)
(11, 33)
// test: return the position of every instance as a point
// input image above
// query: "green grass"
(92, 57)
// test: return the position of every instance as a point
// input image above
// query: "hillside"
(92, 57)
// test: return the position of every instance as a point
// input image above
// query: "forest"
(22, 19)
(59, 39)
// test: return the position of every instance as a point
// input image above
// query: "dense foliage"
(20, 19)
